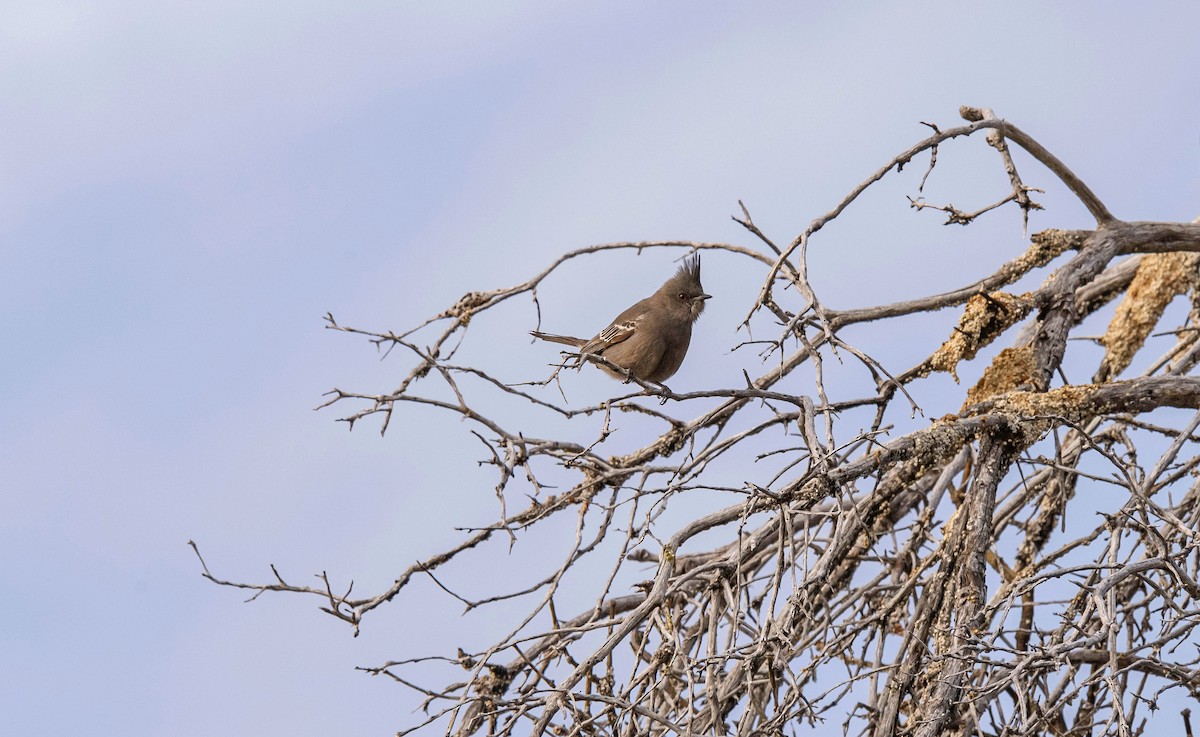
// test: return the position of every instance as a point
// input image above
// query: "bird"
(650, 339)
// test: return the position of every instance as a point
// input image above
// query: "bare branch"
(802, 544)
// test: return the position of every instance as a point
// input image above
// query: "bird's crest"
(687, 278)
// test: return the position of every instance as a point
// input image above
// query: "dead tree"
(1020, 559)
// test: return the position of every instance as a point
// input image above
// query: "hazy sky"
(186, 188)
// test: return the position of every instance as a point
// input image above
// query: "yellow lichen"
(1048, 244)
(1011, 368)
(1160, 277)
(984, 318)
(1065, 401)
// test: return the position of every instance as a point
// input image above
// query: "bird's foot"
(665, 393)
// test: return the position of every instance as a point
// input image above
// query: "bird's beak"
(703, 297)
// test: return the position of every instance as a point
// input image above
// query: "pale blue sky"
(185, 188)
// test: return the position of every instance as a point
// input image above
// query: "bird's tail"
(564, 339)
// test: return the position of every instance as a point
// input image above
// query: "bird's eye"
(683, 295)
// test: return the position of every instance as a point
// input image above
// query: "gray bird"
(650, 339)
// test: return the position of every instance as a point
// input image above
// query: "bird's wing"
(611, 335)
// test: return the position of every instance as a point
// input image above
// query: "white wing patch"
(611, 335)
(616, 333)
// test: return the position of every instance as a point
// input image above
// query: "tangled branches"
(1027, 563)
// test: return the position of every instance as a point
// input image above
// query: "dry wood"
(1026, 564)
